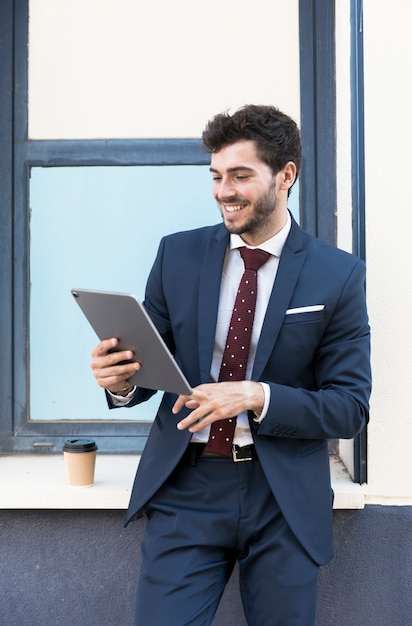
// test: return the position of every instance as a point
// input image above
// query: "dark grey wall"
(79, 567)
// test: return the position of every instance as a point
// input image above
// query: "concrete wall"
(69, 568)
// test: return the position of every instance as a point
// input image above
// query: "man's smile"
(233, 208)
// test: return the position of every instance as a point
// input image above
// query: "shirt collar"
(274, 245)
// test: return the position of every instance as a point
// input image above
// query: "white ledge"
(39, 482)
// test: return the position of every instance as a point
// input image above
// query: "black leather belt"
(238, 454)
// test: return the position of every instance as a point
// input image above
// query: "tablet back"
(122, 316)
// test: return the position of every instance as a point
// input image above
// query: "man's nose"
(225, 189)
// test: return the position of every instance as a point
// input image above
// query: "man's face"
(245, 190)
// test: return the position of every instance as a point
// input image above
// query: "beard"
(259, 220)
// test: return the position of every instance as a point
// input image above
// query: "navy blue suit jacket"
(316, 363)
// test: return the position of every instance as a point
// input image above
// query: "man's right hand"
(109, 368)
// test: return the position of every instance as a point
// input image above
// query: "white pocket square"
(306, 309)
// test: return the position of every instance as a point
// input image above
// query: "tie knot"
(253, 259)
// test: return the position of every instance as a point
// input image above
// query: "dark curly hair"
(276, 135)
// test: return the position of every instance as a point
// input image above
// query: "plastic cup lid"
(79, 445)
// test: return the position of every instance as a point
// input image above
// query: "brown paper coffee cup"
(80, 458)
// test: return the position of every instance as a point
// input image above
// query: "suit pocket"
(299, 338)
(304, 318)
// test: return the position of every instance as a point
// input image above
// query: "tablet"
(122, 316)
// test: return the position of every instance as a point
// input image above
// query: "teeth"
(233, 208)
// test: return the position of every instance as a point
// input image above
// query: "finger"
(107, 377)
(197, 396)
(104, 347)
(180, 403)
(111, 359)
(193, 423)
(197, 419)
(192, 404)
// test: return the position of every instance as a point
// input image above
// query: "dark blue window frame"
(18, 155)
(358, 184)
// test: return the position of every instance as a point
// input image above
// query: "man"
(307, 379)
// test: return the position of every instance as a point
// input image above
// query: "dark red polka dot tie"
(236, 351)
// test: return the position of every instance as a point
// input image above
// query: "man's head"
(255, 156)
(275, 134)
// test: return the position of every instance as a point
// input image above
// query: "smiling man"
(247, 192)
(270, 328)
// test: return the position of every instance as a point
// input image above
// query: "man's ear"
(287, 176)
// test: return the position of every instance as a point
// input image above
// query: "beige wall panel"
(388, 140)
(134, 69)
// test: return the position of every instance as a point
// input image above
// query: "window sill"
(39, 482)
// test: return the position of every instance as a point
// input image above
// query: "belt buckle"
(235, 452)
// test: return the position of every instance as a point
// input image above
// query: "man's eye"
(217, 178)
(242, 177)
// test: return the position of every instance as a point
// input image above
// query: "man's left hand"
(215, 401)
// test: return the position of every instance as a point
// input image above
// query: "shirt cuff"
(121, 400)
(266, 391)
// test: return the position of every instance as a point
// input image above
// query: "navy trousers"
(207, 516)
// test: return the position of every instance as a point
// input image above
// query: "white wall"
(388, 134)
(134, 69)
(388, 140)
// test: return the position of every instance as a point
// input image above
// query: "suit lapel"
(290, 265)
(209, 290)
